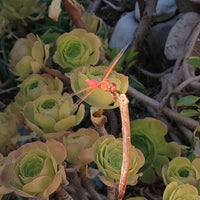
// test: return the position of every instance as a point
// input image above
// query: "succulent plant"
(50, 115)
(181, 170)
(79, 145)
(108, 153)
(27, 56)
(35, 169)
(8, 132)
(173, 191)
(36, 85)
(77, 48)
(3, 190)
(21, 9)
(98, 98)
(148, 135)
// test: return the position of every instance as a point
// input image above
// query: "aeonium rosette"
(108, 153)
(27, 56)
(50, 115)
(181, 170)
(173, 191)
(36, 85)
(77, 48)
(35, 169)
(79, 146)
(148, 135)
(98, 98)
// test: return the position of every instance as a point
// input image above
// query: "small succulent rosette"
(79, 146)
(50, 115)
(21, 9)
(98, 98)
(77, 48)
(174, 191)
(181, 170)
(8, 132)
(36, 85)
(35, 169)
(148, 135)
(108, 154)
(27, 56)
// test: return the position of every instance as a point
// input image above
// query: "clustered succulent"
(148, 135)
(35, 169)
(98, 98)
(79, 146)
(174, 191)
(27, 56)
(36, 85)
(42, 106)
(50, 115)
(181, 170)
(21, 10)
(107, 152)
(77, 48)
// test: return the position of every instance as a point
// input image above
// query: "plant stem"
(63, 194)
(86, 183)
(111, 193)
(75, 11)
(56, 73)
(125, 120)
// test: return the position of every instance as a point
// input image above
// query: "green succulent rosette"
(35, 169)
(36, 85)
(8, 132)
(148, 135)
(50, 115)
(181, 170)
(77, 48)
(98, 98)
(173, 191)
(21, 9)
(27, 56)
(108, 153)
(79, 146)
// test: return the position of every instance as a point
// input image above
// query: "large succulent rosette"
(50, 115)
(27, 56)
(173, 191)
(79, 146)
(148, 136)
(98, 98)
(108, 153)
(181, 170)
(36, 85)
(35, 169)
(77, 48)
